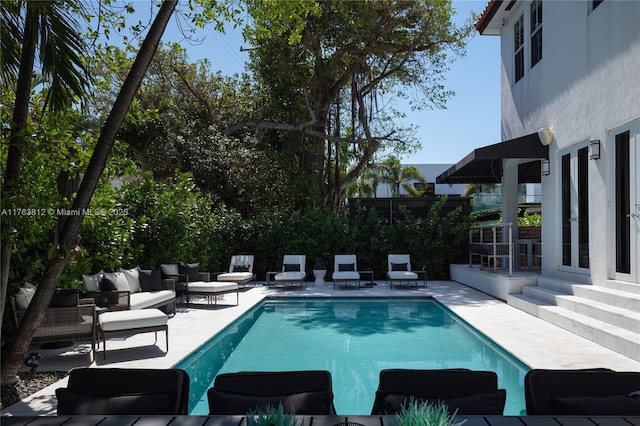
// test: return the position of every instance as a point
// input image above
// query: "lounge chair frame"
(241, 278)
(289, 277)
(345, 277)
(409, 276)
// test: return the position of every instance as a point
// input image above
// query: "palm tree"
(68, 239)
(42, 32)
(396, 176)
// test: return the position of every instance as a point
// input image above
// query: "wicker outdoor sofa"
(63, 323)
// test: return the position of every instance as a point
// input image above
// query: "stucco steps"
(620, 317)
(605, 315)
(602, 294)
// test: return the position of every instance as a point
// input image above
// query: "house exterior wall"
(430, 171)
(586, 86)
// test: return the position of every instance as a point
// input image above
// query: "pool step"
(603, 314)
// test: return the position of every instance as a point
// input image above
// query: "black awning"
(484, 165)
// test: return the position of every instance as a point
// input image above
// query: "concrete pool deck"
(535, 342)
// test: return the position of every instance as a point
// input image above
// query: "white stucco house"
(430, 171)
(570, 116)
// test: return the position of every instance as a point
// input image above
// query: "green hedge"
(149, 223)
(172, 222)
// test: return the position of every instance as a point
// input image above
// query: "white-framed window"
(536, 31)
(518, 48)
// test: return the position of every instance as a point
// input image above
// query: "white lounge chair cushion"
(402, 275)
(290, 276)
(235, 276)
(212, 287)
(129, 320)
(149, 298)
(345, 275)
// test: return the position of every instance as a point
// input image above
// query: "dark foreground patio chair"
(469, 392)
(307, 392)
(115, 391)
(582, 392)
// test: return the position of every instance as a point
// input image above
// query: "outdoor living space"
(533, 341)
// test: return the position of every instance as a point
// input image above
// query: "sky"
(471, 119)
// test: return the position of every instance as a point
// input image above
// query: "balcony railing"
(492, 245)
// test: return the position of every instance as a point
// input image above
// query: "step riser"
(558, 286)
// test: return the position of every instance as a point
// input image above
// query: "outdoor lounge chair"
(240, 270)
(399, 270)
(306, 392)
(345, 269)
(190, 281)
(63, 322)
(127, 391)
(582, 392)
(293, 270)
(470, 392)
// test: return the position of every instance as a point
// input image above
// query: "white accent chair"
(240, 270)
(293, 270)
(345, 269)
(399, 270)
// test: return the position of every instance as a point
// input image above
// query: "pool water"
(353, 339)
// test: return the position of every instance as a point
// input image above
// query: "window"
(536, 32)
(623, 204)
(595, 3)
(518, 48)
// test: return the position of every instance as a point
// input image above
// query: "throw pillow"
(618, 405)
(346, 267)
(150, 280)
(399, 266)
(191, 270)
(92, 282)
(240, 268)
(114, 281)
(170, 270)
(229, 403)
(64, 299)
(133, 278)
(74, 403)
(24, 295)
(295, 267)
(480, 404)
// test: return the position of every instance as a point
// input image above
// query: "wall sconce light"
(594, 149)
(546, 168)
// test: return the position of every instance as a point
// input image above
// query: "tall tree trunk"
(16, 349)
(16, 145)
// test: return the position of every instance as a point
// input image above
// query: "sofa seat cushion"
(235, 276)
(402, 275)
(130, 320)
(212, 287)
(150, 298)
(290, 276)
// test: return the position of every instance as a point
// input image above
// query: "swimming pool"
(353, 339)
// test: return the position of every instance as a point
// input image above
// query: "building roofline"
(487, 15)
